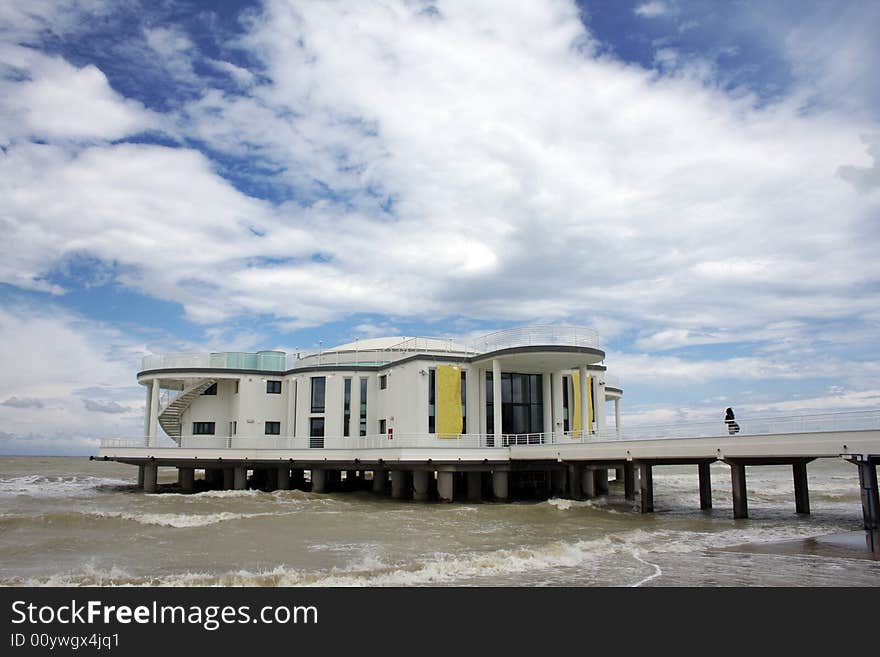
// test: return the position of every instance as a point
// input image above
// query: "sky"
(698, 181)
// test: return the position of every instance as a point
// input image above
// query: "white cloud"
(652, 9)
(48, 98)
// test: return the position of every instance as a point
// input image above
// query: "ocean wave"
(61, 486)
(175, 520)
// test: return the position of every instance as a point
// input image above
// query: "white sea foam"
(67, 486)
(181, 520)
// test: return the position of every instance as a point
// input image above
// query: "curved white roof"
(373, 344)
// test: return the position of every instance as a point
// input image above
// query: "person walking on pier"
(732, 426)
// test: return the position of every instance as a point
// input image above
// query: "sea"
(69, 521)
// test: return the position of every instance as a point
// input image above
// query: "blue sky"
(699, 181)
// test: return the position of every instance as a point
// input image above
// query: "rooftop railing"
(528, 336)
(269, 361)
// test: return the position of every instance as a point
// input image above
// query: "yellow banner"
(448, 401)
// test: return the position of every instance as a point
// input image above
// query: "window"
(432, 398)
(210, 390)
(273, 428)
(383, 382)
(382, 426)
(273, 387)
(203, 429)
(346, 408)
(318, 387)
(316, 432)
(234, 427)
(236, 387)
(363, 418)
(490, 406)
(565, 422)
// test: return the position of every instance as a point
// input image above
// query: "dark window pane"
(506, 394)
(273, 387)
(273, 428)
(211, 389)
(316, 432)
(318, 387)
(383, 382)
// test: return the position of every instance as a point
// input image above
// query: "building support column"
(150, 475)
(140, 477)
(870, 496)
(558, 480)
(705, 486)
(147, 408)
(228, 478)
(586, 429)
(497, 401)
(474, 486)
(380, 479)
(588, 483)
(186, 479)
(420, 485)
(399, 489)
(499, 485)
(319, 480)
(602, 481)
(646, 487)
(575, 474)
(154, 414)
(740, 496)
(270, 479)
(617, 415)
(445, 486)
(547, 394)
(629, 480)
(283, 477)
(239, 477)
(801, 488)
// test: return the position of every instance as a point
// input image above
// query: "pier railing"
(789, 424)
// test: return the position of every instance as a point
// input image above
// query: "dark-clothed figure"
(732, 426)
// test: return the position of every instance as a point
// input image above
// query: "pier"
(471, 468)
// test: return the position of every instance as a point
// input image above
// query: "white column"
(484, 423)
(154, 414)
(599, 404)
(290, 430)
(585, 395)
(147, 406)
(496, 399)
(354, 408)
(558, 419)
(617, 414)
(548, 404)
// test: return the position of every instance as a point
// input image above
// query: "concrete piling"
(239, 477)
(140, 476)
(186, 479)
(601, 481)
(870, 496)
(474, 486)
(399, 489)
(646, 487)
(575, 476)
(588, 483)
(629, 480)
(705, 486)
(380, 480)
(228, 478)
(421, 485)
(319, 480)
(283, 477)
(500, 485)
(445, 487)
(740, 495)
(801, 488)
(150, 475)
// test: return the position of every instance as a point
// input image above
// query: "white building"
(392, 391)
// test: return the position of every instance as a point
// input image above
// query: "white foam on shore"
(181, 520)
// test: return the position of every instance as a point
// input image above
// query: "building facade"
(396, 391)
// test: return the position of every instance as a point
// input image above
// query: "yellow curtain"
(576, 401)
(448, 401)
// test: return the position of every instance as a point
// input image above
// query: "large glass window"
(318, 388)
(346, 408)
(363, 418)
(522, 403)
(316, 432)
(566, 425)
(203, 429)
(463, 402)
